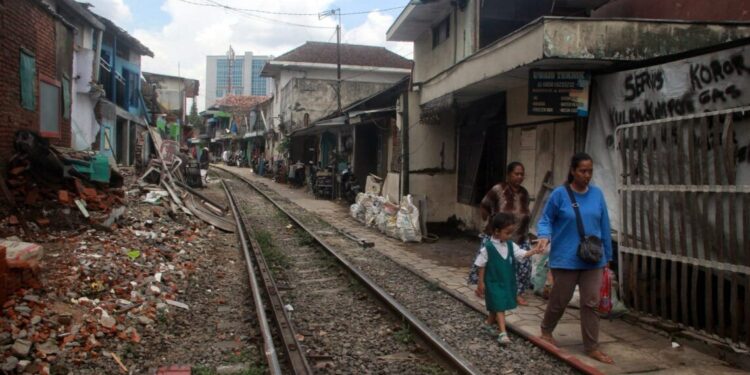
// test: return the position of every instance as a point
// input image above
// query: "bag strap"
(579, 221)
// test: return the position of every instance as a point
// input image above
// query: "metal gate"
(684, 249)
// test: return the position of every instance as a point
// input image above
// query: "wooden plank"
(734, 306)
(719, 178)
(730, 150)
(745, 250)
(691, 156)
(635, 282)
(672, 162)
(646, 284)
(684, 293)
(720, 305)
(703, 150)
(709, 306)
(652, 222)
(625, 241)
(695, 301)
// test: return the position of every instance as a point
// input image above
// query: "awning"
(253, 134)
(571, 43)
(321, 126)
(356, 117)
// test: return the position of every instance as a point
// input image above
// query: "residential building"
(245, 76)
(36, 72)
(499, 82)
(166, 98)
(305, 91)
(121, 113)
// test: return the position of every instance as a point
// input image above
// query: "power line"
(249, 14)
(216, 4)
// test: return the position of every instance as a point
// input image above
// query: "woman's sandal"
(549, 339)
(521, 301)
(601, 357)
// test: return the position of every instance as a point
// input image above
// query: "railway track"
(445, 324)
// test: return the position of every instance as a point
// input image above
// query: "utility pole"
(338, 60)
(336, 12)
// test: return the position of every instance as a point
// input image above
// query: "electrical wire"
(251, 15)
(216, 4)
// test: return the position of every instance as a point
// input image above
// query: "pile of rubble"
(88, 267)
(51, 188)
(101, 291)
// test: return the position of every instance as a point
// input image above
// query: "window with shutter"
(27, 74)
(49, 109)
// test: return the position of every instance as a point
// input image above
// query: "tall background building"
(245, 80)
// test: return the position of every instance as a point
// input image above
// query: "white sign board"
(715, 81)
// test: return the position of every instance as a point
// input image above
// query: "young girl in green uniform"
(497, 276)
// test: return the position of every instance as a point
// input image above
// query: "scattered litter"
(675, 345)
(155, 196)
(134, 254)
(177, 304)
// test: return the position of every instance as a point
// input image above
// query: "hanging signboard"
(559, 92)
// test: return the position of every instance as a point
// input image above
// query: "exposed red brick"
(63, 197)
(174, 370)
(3, 276)
(43, 221)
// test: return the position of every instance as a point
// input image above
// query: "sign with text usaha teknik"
(559, 92)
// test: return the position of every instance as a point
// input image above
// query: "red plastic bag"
(605, 292)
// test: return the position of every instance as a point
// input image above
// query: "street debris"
(92, 261)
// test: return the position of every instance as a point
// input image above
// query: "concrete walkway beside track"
(446, 263)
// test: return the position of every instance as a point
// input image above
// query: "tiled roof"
(351, 54)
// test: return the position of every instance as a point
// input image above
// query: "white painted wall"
(461, 43)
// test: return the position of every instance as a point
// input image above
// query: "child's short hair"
(502, 220)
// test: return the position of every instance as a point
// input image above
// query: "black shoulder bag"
(590, 250)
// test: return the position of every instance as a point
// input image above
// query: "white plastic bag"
(354, 210)
(407, 221)
(373, 211)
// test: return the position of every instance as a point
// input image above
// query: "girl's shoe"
(503, 339)
(489, 329)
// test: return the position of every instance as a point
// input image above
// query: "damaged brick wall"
(24, 24)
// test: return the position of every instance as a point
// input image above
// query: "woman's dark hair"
(513, 166)
(575, 161)
(502, 220)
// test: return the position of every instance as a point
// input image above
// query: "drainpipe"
(98, 54)
(113, 78)
(405, 146)
(455, 33)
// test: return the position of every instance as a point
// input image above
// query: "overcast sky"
(180, 32)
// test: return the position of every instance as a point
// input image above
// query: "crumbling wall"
(25, 25)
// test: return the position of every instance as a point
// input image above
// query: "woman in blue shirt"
(558, 227)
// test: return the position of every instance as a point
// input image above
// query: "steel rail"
(270, 350)
(456, 359)
(562, 355)
(286, 330)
